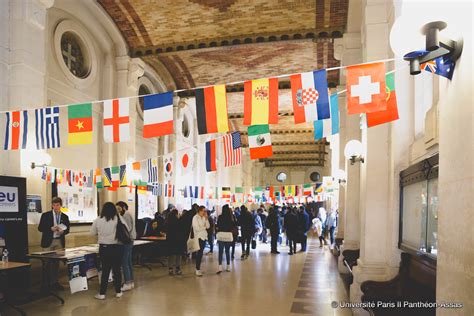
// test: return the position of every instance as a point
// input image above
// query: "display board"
(79, 203)
(147, 205)
(13, 221)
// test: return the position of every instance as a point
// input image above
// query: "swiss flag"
(366, 88)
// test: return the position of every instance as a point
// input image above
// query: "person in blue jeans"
(127, 266)
(226, 224)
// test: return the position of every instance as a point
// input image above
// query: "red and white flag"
(366, 88)
(16, 130)
(158, 115)
(116, 120)
(232, 149)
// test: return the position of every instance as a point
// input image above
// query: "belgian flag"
(211, 110)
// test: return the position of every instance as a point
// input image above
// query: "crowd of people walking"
(189, 232)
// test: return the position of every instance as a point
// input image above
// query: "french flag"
(158, 115)
(309, 92)
(16, 130)
(211, 156)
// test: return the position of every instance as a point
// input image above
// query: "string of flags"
(116, 177)
(368, 92)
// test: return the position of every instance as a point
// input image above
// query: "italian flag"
(115, 177)
(307, 189)
(260, 143)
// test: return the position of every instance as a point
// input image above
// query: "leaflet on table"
(77, 274)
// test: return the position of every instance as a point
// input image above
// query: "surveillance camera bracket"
(436, 46)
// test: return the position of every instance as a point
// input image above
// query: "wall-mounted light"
(341, 176)
(353, 151)
(421, 38)
(41, 159)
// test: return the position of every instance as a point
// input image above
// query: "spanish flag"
(261, 101)
(80, 124)
(211, 110)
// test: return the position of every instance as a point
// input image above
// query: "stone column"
(455, 272)
(128, 72)
(23, 40)
(348, 50)
(375, 173)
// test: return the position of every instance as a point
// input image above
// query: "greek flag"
(47, 128)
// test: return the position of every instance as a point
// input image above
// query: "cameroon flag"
(261, 101)
(80, 124)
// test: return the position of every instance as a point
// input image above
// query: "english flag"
(16, 130)
(366, 88)
(116, 120)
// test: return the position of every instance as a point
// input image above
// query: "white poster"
(147, 205)
(79, 203)
(9, 200)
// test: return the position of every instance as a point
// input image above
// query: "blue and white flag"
(152, 167)
(328, 127)
(47, 128)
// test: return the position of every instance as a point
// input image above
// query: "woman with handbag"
(112, 233)
(225, 226)
(199, 228)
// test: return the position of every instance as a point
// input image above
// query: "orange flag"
(391, 113)
(366, 88)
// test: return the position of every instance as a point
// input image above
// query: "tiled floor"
(320, 285)
(264, 284)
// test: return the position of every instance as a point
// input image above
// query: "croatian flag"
(158, 115)
(47, 128)
(325, 128)
(309, 91)
(16, 130)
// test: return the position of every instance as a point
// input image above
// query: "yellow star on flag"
(80, 125)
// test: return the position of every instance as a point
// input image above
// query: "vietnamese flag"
(80, 124)
(391, 113)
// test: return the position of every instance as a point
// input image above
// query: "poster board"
(147, 205)
(13, 219)
(79, 203)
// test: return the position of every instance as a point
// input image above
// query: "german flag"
(80, 124)
(211, 110)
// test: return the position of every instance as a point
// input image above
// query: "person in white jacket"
(200, 226)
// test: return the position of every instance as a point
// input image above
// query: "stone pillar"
(455, 272)
(348, 50)
(23, 40)
(375, 173)
(128, 72)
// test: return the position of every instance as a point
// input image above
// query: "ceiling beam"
(321, 35)
(297, 152)
(268, 165)
(290, 159)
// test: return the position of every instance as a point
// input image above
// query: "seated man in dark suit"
(54, 225)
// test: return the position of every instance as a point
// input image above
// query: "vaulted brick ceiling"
(205, 42)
